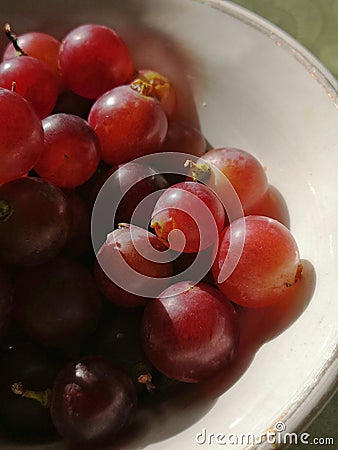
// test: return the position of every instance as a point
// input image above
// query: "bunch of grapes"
(90, 330)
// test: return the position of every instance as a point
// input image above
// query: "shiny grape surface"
(269, 264)
(132, 269)
(188, 217)
(243, 170)
(35, 218)
(21, 136)
(93, 398)
(71, 151)
(145, 181)
(41, 46)
(124, 112)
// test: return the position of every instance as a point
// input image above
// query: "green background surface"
(314, 23)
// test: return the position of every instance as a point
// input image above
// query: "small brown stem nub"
(199, 172)
(297, 276)
(146, 379)
(43, 397)
(6, 210)
(13, 88)
(14, 40)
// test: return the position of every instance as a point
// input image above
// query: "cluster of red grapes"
(85, 337)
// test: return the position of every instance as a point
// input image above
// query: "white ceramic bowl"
(257, 89)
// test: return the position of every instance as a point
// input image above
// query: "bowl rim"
(304, 408)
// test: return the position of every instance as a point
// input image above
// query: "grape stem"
(14, 40)
(43, 397)
(199, 172)
(146, 379)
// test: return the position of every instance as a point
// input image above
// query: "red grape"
(21, 136)
(57, 303)
(190, 331)
(39, 45)
(26, 377)
(94, 59)
(34, 221)
(133, 266)
(268, 265)
(128, 124)
(243, 170)
(92, 400)
(71, 151)
(33, 80)
(188, 217)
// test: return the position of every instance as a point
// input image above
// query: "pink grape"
(191, 211)
(71, 151)
(41, 46)
(269, 264)
(243, 170)
(130, 269)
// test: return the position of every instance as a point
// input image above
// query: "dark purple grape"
(57, 304)
(92, 399)
(34, 221)
(26, 378)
